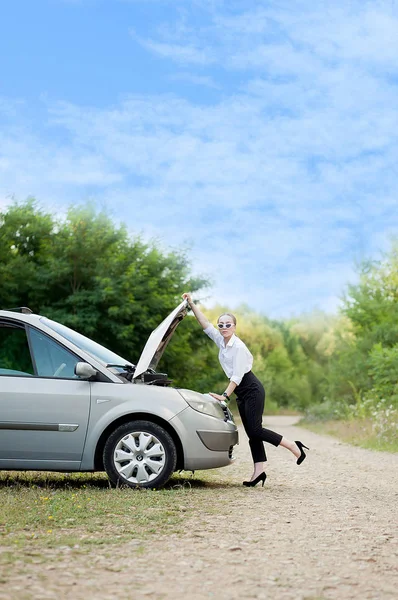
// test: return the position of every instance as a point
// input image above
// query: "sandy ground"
(324, 530)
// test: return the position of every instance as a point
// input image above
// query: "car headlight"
(203, 404)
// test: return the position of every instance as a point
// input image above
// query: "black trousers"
(250, 400)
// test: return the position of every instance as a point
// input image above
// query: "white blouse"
(235, 358)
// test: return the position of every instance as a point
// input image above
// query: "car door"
(44, 407)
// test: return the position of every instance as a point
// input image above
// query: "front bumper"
(218, 441)
(207, 441)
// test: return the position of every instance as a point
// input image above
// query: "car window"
(15, 356)
(97, 351)
(52, 360)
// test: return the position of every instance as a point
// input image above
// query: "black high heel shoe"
(262, 477)
(303, 454)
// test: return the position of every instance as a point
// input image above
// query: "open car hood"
(159, 339)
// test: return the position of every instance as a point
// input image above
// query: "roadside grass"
(358, 432)
(40, 512)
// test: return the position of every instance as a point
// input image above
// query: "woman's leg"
(292, 446)
(254, 408)
(256, 445)
(251, 412)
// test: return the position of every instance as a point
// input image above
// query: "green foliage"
(372, 305)
(362, 376)
(383, 370)
(89, 274)
(325, 411)
(14, 351)
(365, 354)
(84, 271)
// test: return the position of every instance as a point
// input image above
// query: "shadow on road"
(76, 481)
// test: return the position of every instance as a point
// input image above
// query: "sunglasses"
(222, 325)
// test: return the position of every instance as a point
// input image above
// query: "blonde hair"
(227, 315)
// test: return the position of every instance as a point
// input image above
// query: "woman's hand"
(187, 297)
(217, 396)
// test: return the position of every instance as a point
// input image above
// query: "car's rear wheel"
(140, 454)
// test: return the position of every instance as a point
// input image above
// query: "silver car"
(69, 404)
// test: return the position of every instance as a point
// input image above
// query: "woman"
(237, 361)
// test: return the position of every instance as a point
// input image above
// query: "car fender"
(129, 399)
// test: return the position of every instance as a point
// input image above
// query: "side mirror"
(85, 370)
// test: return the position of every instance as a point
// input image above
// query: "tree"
(366, 358)
(25, 243)
(91, 275)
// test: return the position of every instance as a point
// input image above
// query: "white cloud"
(201, 80)
(182, 53)
(231, 180)
(281, 37)
(279, 185)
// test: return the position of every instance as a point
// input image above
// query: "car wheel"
(140, 454)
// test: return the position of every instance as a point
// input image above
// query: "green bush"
(326, 411)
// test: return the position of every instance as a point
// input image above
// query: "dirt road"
(324, 530)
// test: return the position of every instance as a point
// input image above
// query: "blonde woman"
(236, 361)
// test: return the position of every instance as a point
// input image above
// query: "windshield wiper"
(127, 373)
(128, 368)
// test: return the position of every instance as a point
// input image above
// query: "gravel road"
(324, 530)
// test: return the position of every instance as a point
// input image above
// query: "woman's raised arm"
(203, 322)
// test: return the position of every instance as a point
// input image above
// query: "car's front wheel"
(140, 454)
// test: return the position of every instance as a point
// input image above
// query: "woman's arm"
(240, 365)
(203, 322)
(230, 390)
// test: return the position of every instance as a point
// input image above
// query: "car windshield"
(97, 351)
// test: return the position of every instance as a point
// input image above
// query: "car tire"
(140, 454)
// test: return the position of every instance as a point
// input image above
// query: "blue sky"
(261, 134)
